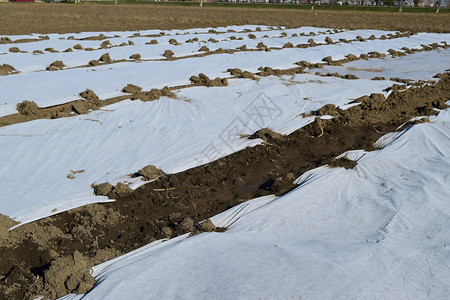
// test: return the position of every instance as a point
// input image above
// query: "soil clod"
(131, 88)
(203, 80)
(150, 172)
(6, 69)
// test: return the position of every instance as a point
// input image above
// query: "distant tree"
(438, 5)
(400, 5)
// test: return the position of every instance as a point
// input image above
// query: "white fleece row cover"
(378, 231)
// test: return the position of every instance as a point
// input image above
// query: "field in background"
(278, 6)
(18, 18)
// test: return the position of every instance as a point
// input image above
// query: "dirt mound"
(242, 74)
(105, 58)
(103, 189)
(187, 224)
(203, 80)
(375, 54)
(5, 40)
(153, 94)
(6, 69)
(135, 57)
(262, 47)
(56, 65)
(169, 54)
(99, 37)
(14, 50)
(77, 47)
(107, 189)
(305, 64)
(302, 46)
(346, 76)
(5, 224)
(204, 48)
(105, 44)
(69, 274)
(267, 135)
(27, 108)
(268, 71)
(51, 50)
(94, 63)
(206, 226)
(312, 43)
(327, 110)
(401, 80)
(192, 40)
(131, 88)
(331, 62)
(150, 172)
(82, 107)
(343, 162)
(89, 95)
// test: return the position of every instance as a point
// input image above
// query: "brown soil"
(204, 80)
(15, 50)
(168, 54)
(105, 58)
(153, 94)
(7, 40)
(6, 69)
(56, 65)
(242, 74)
(150, 172)
(51, 256)
(135, 57)
(51, 50)
(131, 88)
(29, 110)
(50, 18)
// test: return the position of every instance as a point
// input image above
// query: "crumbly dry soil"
(16, 18)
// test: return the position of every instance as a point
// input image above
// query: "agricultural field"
(20, 18)
(227, 162)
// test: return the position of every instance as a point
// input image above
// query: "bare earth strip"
(61, 18)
